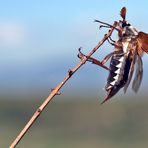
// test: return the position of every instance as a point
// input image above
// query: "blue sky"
(39, 40)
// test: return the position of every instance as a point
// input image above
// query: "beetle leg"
(104, 26)
(107, 57)
(97, 62)
(111, 42)
(112, 39)
(93, 60)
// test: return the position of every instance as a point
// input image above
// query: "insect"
(126, 57)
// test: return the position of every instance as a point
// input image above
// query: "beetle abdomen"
(118, 75)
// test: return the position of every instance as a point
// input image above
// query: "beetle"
(126, 57)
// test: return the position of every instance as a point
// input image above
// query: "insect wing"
(131, 71)
(138, 74)
(142, 41)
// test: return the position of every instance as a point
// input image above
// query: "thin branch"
(55, 91)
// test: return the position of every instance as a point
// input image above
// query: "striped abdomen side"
(118, 75)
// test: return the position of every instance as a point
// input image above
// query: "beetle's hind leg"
(95, 61)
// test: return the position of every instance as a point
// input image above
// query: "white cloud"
(12, 35)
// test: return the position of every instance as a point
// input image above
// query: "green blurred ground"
(76, 124)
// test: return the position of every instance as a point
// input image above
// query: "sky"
(39, 42)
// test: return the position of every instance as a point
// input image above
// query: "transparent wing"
(138, 74)
(134, 56)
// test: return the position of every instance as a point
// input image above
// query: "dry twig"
(55, 91)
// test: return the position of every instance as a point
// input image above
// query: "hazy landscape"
(83, 123)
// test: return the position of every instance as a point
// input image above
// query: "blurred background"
(39, 43)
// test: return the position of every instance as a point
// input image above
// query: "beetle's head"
(124, 24)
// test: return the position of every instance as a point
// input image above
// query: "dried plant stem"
(55, 91)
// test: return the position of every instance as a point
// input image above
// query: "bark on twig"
(55, 91)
